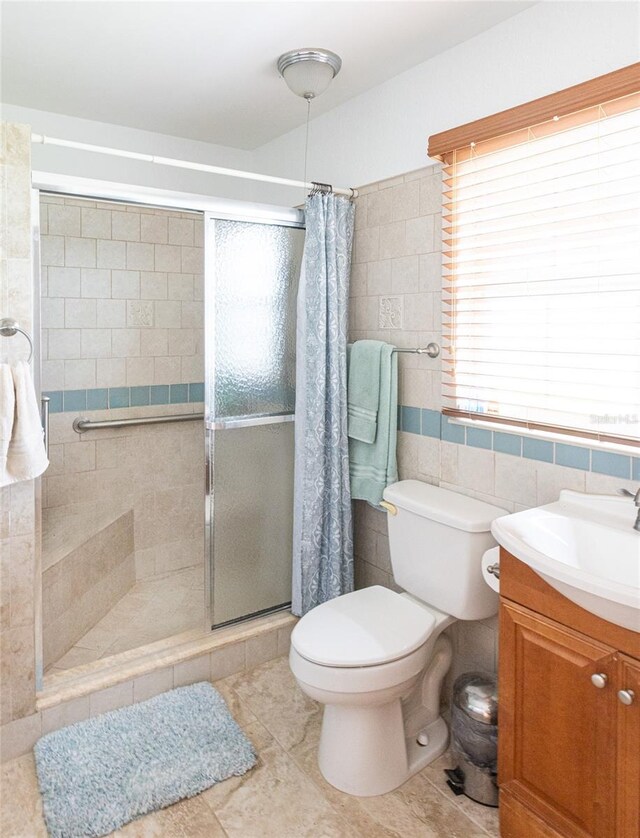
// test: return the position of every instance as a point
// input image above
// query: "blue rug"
(97, 775)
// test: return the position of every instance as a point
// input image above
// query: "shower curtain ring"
(321, 188)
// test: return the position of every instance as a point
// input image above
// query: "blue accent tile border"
(435, 424)
(414, 420)
(537, 449)
(101, 398)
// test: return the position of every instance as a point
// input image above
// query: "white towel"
(27, 457)
(7, 412)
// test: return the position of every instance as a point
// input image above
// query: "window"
(541, 252)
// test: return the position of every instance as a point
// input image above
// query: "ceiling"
(206, 70)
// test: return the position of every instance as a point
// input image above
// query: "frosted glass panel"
(252, 519)
(256, 277)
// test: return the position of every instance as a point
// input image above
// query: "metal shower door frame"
(276, 217)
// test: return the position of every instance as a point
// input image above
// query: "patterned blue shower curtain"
(322, 529)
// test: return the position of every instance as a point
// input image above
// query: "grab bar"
(82, 424)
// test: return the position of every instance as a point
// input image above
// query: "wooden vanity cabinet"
(569, 748)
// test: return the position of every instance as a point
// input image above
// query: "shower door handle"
(233, 422)
(44, 415)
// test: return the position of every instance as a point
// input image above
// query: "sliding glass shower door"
(252, 270)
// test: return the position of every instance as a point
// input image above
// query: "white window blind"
(542, 275)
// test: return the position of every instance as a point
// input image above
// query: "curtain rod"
(184, 164)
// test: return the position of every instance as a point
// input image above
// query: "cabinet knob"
(599, 680)
(626, 696)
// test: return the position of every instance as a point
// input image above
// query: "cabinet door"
(557, 730)
(629, 751)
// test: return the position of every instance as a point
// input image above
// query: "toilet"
(376, 659)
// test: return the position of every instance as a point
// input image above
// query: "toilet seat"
(366, 628)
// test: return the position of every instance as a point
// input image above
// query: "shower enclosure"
(153, 315)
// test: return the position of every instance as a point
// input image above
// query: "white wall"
(101, 167)
(384, 132)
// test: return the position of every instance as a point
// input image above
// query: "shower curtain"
(322, 529)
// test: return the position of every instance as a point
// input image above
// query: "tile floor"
(151, 610)
(284, 796)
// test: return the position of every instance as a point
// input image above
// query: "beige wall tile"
(95, 343)
(18, 737)
(192, 259)
(227, 661)
(125, 226)
(181, 231)
(52, 250)
(67, 713)
(192, 671)
(63, 282)
(110, 254)
(95, 282)
(64, 343)
(147, 686)
(63, 220)
(153, 228)
(125, 284)
(284, 640)
(96, 223)
(154, 342)
(261, 649)
(52, 311)
(125, 343)
(79, 252)
(406, 200)
(79, 314)
(392, 241)
(110, 372)
(153, 285)
(379, 208)
(111, 314)
(366, 245)
(111, 698)
(168, 256)
(420, 235)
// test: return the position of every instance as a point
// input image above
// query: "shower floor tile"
(284, 796)
(151, 610)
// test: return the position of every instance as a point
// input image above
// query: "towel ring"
(9, 327)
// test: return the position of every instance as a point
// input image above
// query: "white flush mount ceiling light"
(309, 72)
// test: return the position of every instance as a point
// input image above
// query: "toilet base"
(366, 765)
(366, 750)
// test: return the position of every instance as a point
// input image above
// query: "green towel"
(372, 466)
(363, 390)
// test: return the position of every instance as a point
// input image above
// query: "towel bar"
(431, 349)
(9, 327)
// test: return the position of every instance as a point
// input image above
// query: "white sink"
(585, 547)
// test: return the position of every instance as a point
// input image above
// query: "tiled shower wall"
(121, 295)
(396, 287)
(18, 571)
(122, 337)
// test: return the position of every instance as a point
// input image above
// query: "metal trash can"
(474, 735)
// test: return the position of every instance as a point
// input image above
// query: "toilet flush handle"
(391, 509)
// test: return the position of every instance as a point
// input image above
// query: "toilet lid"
(363, 628)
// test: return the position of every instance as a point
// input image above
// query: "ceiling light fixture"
(309, 72)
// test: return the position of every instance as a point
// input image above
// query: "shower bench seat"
(88, 565)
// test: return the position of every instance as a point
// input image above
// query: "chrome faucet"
(636, 500)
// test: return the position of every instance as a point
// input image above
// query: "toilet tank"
(436, 540)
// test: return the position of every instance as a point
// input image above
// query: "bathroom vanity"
(569, 743)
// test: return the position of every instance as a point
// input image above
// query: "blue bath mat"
(97, 775)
